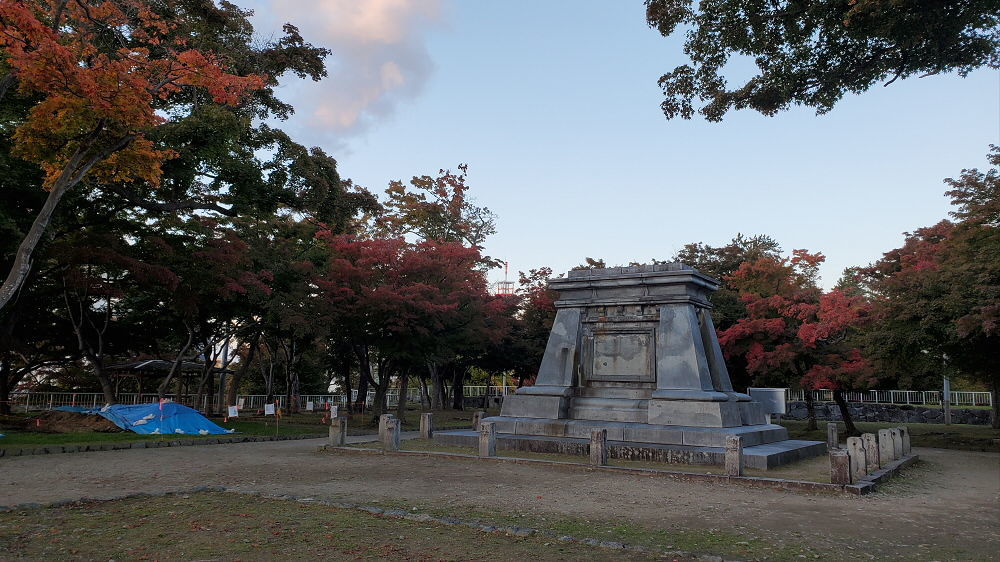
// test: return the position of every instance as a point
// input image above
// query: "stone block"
(477, 418)
(871, 452)
(392, 431)
(536, 427)
(734, 455)
(832, 435)
(858, 460)
(427, 425)
(897, 442)
(905, 432)
(487, 439)
(840, 466)
(886, 452)
(752, 413)
(652, 434)
(694, 413)
(338, 432)
(599, 447)
(383, 424)
(535, 406)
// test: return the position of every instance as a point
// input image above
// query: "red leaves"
(96, 102)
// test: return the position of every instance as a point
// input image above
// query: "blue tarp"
(151, 419)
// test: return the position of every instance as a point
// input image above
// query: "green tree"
(813, 53)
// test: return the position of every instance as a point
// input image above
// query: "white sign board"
(772, 399)
(309, 406)
(333, 411)
(234, 412)
(268, 409)
(240, 402)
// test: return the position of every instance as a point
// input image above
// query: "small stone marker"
(391, 442)
(338, 432)
(599, 447)
(427, 426)
(734, 455)
(871, 451)
(487, 439)
(858, 461)
(885, 447)
(832, 437)
(477, 418)
(383, 425)
(897, 442)
(840, 466)
(905, 431)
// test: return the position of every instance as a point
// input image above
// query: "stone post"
(897, 442)
(858, 459)
(487, 439)
(885, 447)
(840, 466)
(383, 424)
(391, 442)
(905, 431)
(599, 447)
(734, 455)
(871, 451)
(477, 418)
(832, 437)
(427, 426)
(338, 432)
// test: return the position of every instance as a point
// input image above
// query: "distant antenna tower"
(504, 287)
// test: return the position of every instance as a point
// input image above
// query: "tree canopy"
(814, 53)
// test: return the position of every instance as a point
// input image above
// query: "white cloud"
(379, 57)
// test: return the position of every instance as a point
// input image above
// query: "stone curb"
(860, 489)
(510, 530)
(86, 448)
(881, 476)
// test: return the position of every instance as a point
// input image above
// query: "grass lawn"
(816, 469)
(20, 438)
(938, 436)
(227, 526)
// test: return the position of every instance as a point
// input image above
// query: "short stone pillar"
(858, 459)
(338, 432)
(905, 432)
(885, 447)
(383, 424)
(897, 442)
(477, 418)
(734, 455)
(487, 439)
(427, 426)
(840, 466)
(599, 447)
(832, 436)
(871, 451)
(391, 441)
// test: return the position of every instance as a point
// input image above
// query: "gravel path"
(950, 502)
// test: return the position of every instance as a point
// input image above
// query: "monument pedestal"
(633, 350)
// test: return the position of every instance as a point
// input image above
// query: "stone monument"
(633, 350)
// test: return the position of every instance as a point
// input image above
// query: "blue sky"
(555, 107)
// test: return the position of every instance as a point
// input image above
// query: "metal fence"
(919, 397)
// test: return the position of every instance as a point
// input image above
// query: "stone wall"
(893, 413)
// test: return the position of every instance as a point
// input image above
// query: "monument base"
(763, 456)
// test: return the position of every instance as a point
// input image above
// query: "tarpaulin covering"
(155, 418)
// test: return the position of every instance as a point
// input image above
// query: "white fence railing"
(920, 397)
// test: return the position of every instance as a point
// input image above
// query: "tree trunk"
(994, 394)
(345, 375)
(364, 376)
(437, 393)
(162, 389)
(845, 413)
(5, 371)
(425, 398)
(458, 389)
(106, 387)
(404, 381)
(234, 381)
(810, 410)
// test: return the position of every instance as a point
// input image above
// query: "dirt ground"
(61, 422)
(948, 507)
